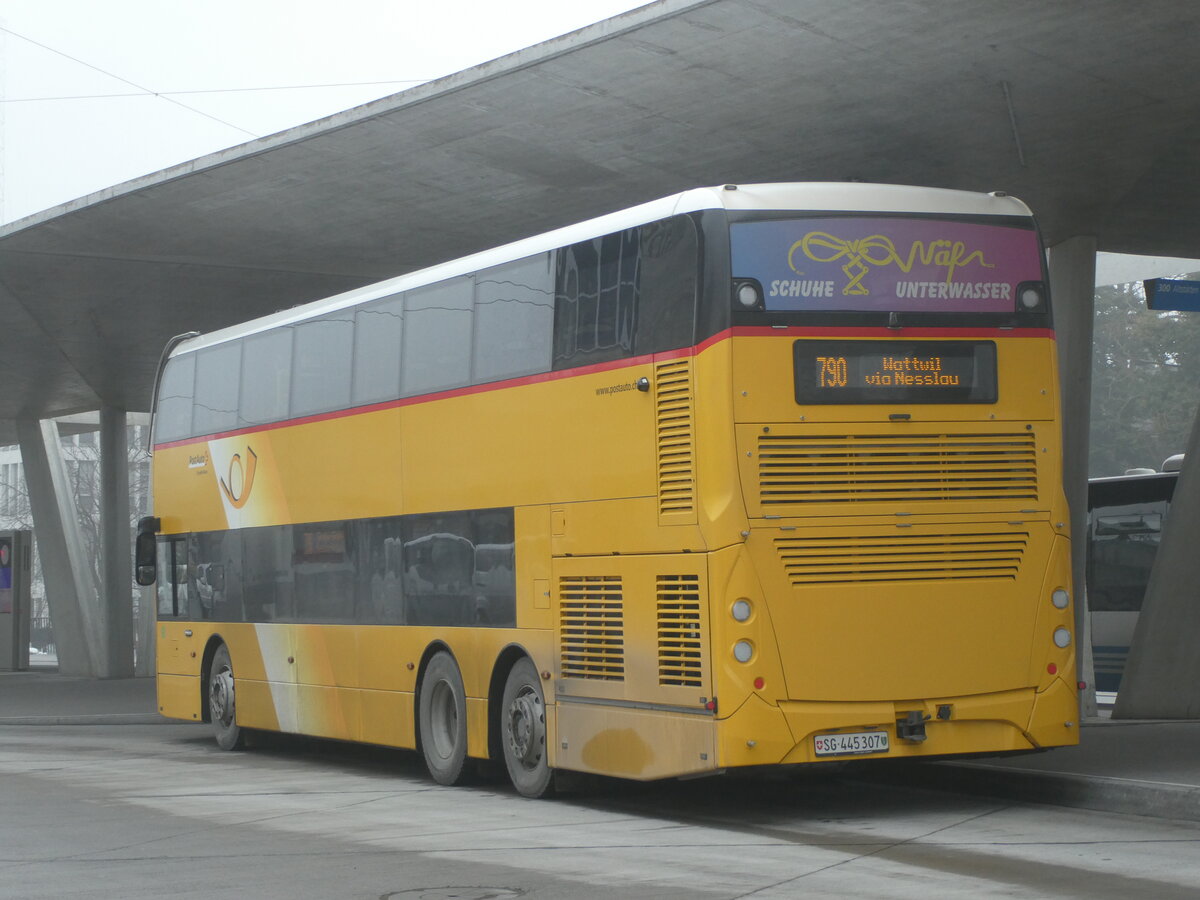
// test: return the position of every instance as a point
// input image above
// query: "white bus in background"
(1126, 514)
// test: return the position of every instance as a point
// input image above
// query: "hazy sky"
(187, 79)
(61, 138)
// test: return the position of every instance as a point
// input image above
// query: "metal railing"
(41, 633)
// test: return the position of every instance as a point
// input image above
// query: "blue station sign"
(1172, 294)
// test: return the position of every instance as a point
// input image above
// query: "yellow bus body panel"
(668, 532)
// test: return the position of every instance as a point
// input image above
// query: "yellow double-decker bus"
(749, 475)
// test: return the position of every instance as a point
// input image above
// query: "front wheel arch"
(210, 650)
(430, 652)
(441, 704)
(221, 692)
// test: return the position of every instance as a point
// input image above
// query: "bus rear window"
(885, 264)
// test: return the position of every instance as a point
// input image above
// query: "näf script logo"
(878, 250)
(236, 487)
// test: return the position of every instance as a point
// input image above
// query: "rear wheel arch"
(509, 657)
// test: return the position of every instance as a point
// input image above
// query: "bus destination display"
(829, 372)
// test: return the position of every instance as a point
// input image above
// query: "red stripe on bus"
(626, 362)
(469, 390)
(902, 332)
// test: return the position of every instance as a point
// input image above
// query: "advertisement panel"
(881, 264)
(6, 553)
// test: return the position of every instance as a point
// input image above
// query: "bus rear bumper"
(1055, 718)
(639, 744)
(761, 733)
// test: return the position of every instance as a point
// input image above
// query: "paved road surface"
(141, 811)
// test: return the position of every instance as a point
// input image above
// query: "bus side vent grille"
(676, 464)
(680, 653)
(893, 468)
(592, 627)
(898, 556)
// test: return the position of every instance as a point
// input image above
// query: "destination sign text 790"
(829, 372)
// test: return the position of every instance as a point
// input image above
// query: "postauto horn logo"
(237, 485)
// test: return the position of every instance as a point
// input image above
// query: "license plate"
(851, 743)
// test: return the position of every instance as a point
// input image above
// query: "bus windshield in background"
(885, 264)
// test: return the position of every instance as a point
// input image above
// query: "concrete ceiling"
(1087, 109)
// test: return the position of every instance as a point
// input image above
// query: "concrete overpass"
(1084, 108)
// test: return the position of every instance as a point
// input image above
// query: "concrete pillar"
(1073, 292)
(1162, 674)
(116, 564)
(66, 570)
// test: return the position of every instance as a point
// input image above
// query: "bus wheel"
(523, 731)
(221, 703)
(443, 715)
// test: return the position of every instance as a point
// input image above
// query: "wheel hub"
(444, 719)
(526, 729)
(221, 696)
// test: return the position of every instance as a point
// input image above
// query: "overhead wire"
(142, 88)
(169, 96)
(278, 87)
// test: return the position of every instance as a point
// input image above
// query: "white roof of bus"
(816, 196)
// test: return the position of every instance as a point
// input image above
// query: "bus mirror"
(145, 558)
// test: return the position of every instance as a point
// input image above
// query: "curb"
(111, 719)
(1159, 800)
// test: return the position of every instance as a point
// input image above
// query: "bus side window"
(378, 337)
(596, 299)
(669, 273)
(514, 314)
(218, 376)
(626, 294)
(173, 419)
(438, 321)
(322, 364)
(165, 582)
(172, 582)
(266, 378)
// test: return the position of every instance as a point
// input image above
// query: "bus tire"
(443, 720)
(222, 702)
(523, 731)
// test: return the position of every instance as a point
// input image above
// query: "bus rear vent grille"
(902, 556)
(592, 627)
(897, 468)
(680, 659)
(673, 408)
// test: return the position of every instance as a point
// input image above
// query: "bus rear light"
(743, 651)
(1062, 638)
(759, 683)
(1031, 295)
(1060, 598)
(741, 610)
(747, 294)
(1052, 669)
